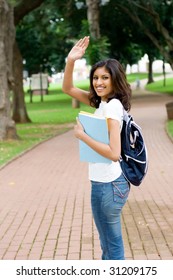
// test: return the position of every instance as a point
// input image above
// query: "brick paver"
(45, 199)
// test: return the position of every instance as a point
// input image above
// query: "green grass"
(54, 116)
(158, 86)
(51, 117)
(56, 108)
(29, 136)
(134, 76)
(170, 128)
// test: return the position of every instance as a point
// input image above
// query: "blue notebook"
(96, 127)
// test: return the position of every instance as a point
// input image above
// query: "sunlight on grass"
(158, 86)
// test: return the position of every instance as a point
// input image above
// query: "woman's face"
(102, 83)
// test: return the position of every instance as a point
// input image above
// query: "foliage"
(45, 44)
(14, 2)
(154, 19)
(121, 33)
(61, 23)
(97, 50)
(128, 41)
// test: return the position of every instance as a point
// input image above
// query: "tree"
(8, 63)
(155, 20)
(93, 17)
(7, 36)
(128, 40)
(121, 33)
(19, 114)
(45, 44)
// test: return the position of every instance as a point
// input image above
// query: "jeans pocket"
(120, 191)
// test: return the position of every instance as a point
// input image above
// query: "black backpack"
(134, 158)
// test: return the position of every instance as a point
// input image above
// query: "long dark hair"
(121, 88)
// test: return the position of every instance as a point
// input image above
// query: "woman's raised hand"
(79, 49)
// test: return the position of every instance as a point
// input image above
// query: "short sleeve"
(114, 110)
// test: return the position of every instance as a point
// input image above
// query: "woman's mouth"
(100, 88)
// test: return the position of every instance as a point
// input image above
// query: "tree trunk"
(19, 109)
(93, 18)
(75, 103)
(150, 71)
(7, 35)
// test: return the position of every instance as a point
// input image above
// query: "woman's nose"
(99, 81)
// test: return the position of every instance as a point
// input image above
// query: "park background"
(45, 211)
(35, 39)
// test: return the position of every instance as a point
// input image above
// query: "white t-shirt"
(107, 172)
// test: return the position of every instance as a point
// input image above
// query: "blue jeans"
(107, 201)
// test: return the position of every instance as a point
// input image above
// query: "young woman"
(110, 94)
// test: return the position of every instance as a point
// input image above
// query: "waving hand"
(79, 49)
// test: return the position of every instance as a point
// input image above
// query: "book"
(96, 127)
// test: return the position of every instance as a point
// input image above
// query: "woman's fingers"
(80, 126)
(79, 48)
(78, 44)
(83, 43)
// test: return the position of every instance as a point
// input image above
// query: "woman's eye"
(103, 78)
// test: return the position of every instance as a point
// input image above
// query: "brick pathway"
(45, 199)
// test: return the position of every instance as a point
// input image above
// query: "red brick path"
(45, 199)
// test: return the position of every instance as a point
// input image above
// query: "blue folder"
(96, 127)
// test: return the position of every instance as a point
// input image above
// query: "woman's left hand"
(78, 130)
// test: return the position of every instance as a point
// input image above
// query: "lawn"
(134, 76)
(54, 116)
(51, 117)
(170, 128)
(167, 89)
(159, 86)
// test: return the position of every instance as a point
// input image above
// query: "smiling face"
(102, 83)
(108, 81)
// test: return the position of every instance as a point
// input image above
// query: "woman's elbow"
(115, 156)
(68, 90)
(65, 89)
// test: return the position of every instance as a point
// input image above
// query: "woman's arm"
(112, 150)
(68, 87)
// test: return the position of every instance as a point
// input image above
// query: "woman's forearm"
(112, 150)
(68, 87)
(68, 76)
(103, 149)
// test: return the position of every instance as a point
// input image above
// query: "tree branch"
(148, 8)
(24, 8)
(155, 41)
